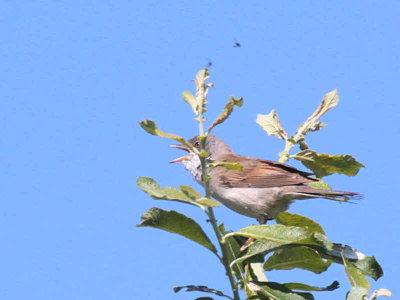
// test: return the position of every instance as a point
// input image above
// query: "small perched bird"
(261, 190)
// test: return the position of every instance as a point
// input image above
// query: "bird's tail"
(341, 196)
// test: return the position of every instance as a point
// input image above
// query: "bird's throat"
(193, 165)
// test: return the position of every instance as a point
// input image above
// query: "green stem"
(213, 221)
(284, 155)
(210, 213)
(224, 261)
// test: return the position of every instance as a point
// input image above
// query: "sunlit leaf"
(191, 100)
(381, 292)
(355, 276)
(226, 111)
(256, 271)
(279, 234)
(151, 127)
(153, 189)
(275, 291)
(357, 293)
(186, 194)
(289, 219)
(256, 251)
(203, 154)
(320, 184)
(190, 192)
(317, 126)
(200, 288)
(228, 165)
(208, 202)
(201, 90)
(329, 101)
(305, 287)
(325, 164)
(322, 240)
(297, 257)
(271, 125)
(175, 222)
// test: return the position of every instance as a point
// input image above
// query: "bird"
(261, 189)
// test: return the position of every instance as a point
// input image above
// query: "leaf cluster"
(321, 164)
(295, 242)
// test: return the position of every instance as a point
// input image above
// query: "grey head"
(214, 146)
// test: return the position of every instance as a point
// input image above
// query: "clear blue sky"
(76, 78)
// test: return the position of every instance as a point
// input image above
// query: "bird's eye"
(197, 144)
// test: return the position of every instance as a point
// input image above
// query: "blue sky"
(76, 78)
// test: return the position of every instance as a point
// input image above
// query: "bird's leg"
(246, 244)
(262, 220)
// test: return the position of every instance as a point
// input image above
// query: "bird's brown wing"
(259, 173)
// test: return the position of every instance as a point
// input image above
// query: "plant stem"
(284, 155)
(213, 221)
(210, 211)
(224, 261)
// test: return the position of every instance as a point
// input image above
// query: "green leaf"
(175, 222)
(381, 292)
(191, 100)
(355, 276)
(226, 111)
(152, 188)
(366, 264)
(200, 288)
(208, 202)
(256, 272)
(277, 237)
(228, 165)
(297, 257)
(271, 125)
(203, 154)
(233, 245)
(190, 192)
(322, 240)
(256, 252)
(275, 291)
(305, 287)
(279, 234)
(151, 127)
(201, 90)
(289, 219)
(317, 126)
(325, 164)
(329, 101)
(370, 267)
(201, 78)
(357, 293)
(339, 251)
(186, 194)
(320, 184)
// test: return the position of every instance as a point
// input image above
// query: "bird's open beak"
(180, 159)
